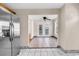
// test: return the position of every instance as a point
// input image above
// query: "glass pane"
(46, 30)
(40, 29)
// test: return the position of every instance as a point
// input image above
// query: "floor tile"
(45, 52)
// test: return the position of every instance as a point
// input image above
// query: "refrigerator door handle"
(11, 27)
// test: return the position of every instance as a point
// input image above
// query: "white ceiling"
(34, 5)
(39, 17)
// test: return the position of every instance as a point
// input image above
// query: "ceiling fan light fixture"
(44, 17)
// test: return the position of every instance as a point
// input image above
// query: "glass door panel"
(40, 30)
(46, 31)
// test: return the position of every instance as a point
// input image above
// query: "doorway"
(42, 31)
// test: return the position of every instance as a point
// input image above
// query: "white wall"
(69, 27)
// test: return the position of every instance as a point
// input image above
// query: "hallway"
(43, 42)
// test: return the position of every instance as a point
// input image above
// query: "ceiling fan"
(45, 18)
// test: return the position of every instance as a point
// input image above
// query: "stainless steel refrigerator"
(9, 34)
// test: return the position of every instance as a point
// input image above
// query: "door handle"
(11, 27)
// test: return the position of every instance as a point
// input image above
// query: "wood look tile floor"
(45, 52)
(35, 48)
(43, 42)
